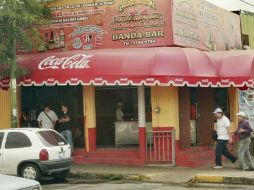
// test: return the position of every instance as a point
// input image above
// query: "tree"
(19, 21)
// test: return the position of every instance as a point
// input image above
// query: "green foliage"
(19, 20)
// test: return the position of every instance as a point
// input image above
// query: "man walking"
(47, 118)
(222, 128)
(243, 133)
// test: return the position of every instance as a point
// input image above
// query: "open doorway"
(34, 97)
(107, 101)
(112, 131)
(196, 106)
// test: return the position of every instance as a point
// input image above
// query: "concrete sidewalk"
(174, 175)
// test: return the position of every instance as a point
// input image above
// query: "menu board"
(95, 24)
(202, 25)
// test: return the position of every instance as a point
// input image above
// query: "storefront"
(160, 88)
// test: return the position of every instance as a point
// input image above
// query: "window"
(1, 139)
(245, 40)
(51, 138)
(17, 140)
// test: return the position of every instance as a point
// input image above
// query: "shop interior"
(113, 133)
(34, 97)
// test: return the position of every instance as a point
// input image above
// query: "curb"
(221, 179)
(108, 176)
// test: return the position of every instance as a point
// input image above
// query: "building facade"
(101, 53)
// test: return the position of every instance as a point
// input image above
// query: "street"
(118, 185)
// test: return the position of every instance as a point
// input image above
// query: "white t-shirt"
(222, 128)
(45, 121)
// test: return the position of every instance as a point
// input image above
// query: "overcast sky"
(232, 5)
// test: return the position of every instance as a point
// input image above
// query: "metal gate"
(160, 147)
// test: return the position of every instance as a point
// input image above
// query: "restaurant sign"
(96, 24)
(103, 24)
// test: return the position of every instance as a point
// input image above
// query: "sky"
(232, 5)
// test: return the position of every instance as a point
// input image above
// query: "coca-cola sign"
(78, 61)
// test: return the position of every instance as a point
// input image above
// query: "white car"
(17, 183)
(33, 153)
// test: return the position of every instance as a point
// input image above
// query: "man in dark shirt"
(243, 133)
(65, 125)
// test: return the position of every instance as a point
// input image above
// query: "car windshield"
(51, 138)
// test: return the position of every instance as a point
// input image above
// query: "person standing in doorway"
(25, 120)
(243, 133)
(119, 112)
(47, 118)
(222, 128)
(65, 127)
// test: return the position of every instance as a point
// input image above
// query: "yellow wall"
(166, 98)
(89, 111)
(233, 98)
(89, 108)
(4, 109)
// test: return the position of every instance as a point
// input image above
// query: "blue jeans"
(67, 134)
(221, 149)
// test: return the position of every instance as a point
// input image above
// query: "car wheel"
(31, 171)
(61, 175)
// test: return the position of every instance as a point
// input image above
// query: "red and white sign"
(136, 66)
(77, 61)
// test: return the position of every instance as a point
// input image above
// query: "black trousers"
(221, 149)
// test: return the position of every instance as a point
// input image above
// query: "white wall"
(233, 5)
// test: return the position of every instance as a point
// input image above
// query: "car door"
(1, 151)
(18, 147)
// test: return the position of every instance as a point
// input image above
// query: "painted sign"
(95, 24)
(103, 24)
(199, 24)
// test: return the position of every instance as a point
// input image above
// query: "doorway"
(34, 97)
(106, 101)
(196, 106)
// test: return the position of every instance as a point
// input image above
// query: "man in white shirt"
(47, 118)
(222, 128)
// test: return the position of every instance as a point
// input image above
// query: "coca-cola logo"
(78, 61)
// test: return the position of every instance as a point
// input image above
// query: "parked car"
(17, 183)
(33, 153)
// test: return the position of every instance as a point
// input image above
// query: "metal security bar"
(160, 147)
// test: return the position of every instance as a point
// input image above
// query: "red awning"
(234, 68)
(148, 66)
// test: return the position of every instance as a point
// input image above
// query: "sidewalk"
(174, 175)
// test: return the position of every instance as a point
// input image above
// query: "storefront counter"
(126, 133)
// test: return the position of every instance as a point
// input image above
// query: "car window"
(1, 138)
(51, 138)
(17, 140)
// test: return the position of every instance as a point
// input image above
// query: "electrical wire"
(247, 3)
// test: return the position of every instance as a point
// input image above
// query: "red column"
(92, 139)
(142, 143)
(142, 123)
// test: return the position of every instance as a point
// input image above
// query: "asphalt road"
(65, 185)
